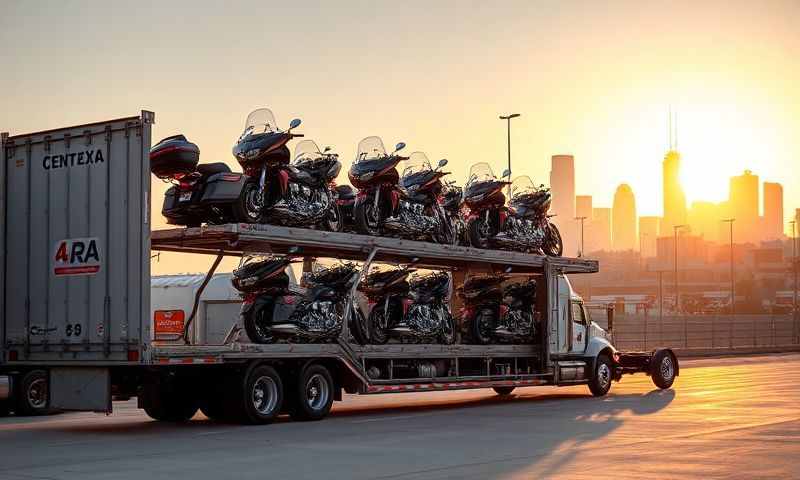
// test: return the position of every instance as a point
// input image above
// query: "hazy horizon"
(590, 80)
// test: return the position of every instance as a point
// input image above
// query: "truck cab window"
(577, 313)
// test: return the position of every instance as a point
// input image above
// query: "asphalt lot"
(732, 418)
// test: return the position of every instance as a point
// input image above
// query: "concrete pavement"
(731, 418)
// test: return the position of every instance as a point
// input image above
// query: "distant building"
(674, 197)
(562, 185)
(623, 234)
(743, 203)
(583, 207)
(705, 220)
(648, 235)
(598, 236)
(773, 211)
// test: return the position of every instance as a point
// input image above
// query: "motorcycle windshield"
(417, 163)
(259, 121)
(480, 172)
(522, 185)
(307, 151)
(370, 148)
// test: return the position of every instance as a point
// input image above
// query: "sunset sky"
(589, 78)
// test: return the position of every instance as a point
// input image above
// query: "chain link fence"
(634, 332)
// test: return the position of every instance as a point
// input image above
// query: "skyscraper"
(583, 207)
(674, 198)
(648, 235)
(562, 185)
(743, 203)
(600, 231)
(773, 211)
(623, 236)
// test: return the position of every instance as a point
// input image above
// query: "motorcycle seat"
(208, 169)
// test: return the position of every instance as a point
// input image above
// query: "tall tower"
(773, 211)
(674, 198)
(623, 234)
(648, 233)
(743, 201)
(562, 185)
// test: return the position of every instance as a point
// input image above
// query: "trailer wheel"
(313, 395)
(259, 398)
(167, 403)
(33, 396)
(663, 369)
(600, 383)
(503, 391)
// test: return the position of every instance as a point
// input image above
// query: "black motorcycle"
(276, 191)
(419, 215)
(204, 193)
(408, 311)
(522, 226)
(271, 311)
(374, 174)
(346, 199)
(450, 200)
(499, 314)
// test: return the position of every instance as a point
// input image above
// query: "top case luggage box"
(172, 156)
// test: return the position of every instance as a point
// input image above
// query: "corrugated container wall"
(76, 243)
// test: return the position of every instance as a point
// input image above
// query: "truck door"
(579, 328)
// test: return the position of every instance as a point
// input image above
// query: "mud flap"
(80, 388)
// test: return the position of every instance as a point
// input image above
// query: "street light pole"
(730, 221)
(675, 229)
(580, 254)
(508, 118)
(794, 269)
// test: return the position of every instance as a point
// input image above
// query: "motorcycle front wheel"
(482, 326)
(553, 245)
(367, 216)
(256, 323)
(378, 326)
(333, 220)
(358, 326)
(479, 232)
(448, 334)
(247, 208)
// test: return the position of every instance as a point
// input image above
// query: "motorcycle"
(522, 226)
(281, 192)
(205, 192)
(346, 198)
(271, 311)
(450, 200)
(496, 313)
(415, 310)
(419, 215)
(374, 174)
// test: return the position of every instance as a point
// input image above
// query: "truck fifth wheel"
(78, 330)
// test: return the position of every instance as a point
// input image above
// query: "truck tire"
(258, 398)
(600, 383)
(166, 403)
(663, 369)
(5, 407)
(33, 395)
(213, 406)
(503, 391)
(313, 394)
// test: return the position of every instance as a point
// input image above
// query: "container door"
(78, 253)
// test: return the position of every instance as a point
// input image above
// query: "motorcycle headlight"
(367, 176)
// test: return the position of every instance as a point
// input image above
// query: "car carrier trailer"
(77, 330)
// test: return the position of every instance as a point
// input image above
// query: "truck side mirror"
(610, 317)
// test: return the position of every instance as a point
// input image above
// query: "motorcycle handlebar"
(296, 135)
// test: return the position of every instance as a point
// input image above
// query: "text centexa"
(67, 160)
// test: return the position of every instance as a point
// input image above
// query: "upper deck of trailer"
(238, 239)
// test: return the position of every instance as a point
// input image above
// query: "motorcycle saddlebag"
(223, 187)
(173, 155)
